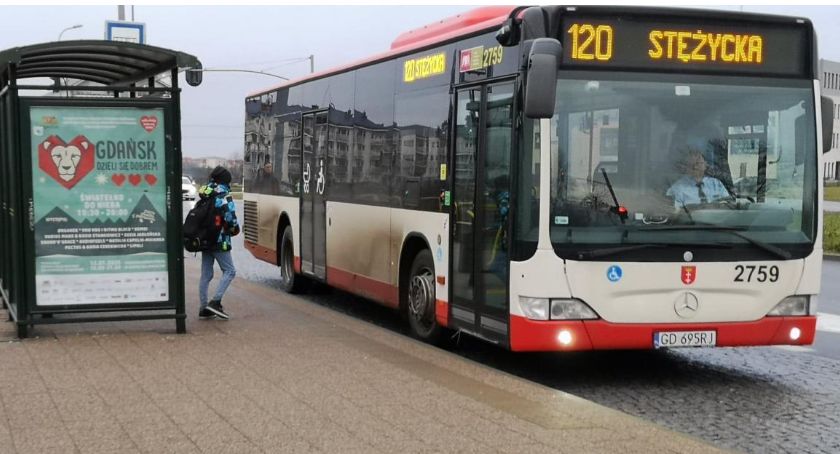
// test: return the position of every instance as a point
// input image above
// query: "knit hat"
(220, 175)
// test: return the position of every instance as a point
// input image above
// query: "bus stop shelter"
(90, 192)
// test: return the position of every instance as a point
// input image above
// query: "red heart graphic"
(151, 179)
(134, 179)
(67, 163)
(149, 123)
(118, 179)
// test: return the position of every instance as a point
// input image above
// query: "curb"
(832, 257)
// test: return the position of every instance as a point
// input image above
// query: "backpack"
(202, 226)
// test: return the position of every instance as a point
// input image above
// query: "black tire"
(290, 282)
(420, 299)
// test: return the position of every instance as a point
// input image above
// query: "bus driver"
(694, 186)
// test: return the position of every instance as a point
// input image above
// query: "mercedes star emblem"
(686, 305)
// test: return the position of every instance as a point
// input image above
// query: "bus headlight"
(565, 338)
(792, 305)
(571, 309)
(534, 308)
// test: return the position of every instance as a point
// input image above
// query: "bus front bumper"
(534, 335)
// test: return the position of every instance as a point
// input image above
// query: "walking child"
(225, 217)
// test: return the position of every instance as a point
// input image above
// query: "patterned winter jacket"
(226, 210)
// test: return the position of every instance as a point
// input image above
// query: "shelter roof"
(105, 62)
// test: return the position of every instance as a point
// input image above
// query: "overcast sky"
(267, 38)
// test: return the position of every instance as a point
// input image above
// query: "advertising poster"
(99, 194)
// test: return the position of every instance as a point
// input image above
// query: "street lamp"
(231, 70)
(289, 61)
(56, 79)
(69, 28)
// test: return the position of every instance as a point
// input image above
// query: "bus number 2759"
(750, 273)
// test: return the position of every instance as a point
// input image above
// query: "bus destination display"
(706, 47)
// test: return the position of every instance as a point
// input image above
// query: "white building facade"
(830, 86)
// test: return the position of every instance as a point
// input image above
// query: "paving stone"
(287, 376)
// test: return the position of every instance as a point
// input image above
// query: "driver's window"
(763, 154)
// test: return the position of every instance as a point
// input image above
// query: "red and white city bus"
(557, 178)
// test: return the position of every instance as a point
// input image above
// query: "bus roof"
(428, 35)
(452, 25)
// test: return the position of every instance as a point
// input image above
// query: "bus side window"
(527, 193)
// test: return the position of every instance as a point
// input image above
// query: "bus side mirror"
(827, 122)
(541, 82)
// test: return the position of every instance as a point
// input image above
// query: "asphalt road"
(767, 399)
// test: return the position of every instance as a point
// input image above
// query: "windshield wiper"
(607, 251)
(775, 250)
(617, 209)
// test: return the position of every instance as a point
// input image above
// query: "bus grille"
(251, 225)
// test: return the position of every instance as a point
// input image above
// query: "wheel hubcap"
(421, 295)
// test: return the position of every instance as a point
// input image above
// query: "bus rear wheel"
(289, 281)
(420, 299)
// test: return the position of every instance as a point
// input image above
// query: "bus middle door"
(313, 210)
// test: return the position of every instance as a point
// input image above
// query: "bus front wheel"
(420, 299)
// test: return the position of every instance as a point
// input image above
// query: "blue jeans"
(228, 272)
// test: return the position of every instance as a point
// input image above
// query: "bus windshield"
(680, 160)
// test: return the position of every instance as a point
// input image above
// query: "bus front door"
(481, 195)
(313, 210)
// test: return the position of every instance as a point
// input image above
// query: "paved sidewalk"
(284, 375)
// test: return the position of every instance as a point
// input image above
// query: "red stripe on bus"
(529, 335)
(442, 313)
(533, 335)
(262, 253)
(268, 255)
(480, 17)
(382, 292)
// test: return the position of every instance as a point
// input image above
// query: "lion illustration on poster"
(66, 163)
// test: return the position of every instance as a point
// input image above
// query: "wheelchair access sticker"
(614, 273)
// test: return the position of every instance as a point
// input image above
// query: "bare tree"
(235, 159)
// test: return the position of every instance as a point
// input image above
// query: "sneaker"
(216, 308)
(205, 314)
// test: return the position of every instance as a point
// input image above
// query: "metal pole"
(175, 160)
(58, 79)
(311, 64)
(226, 70)
(67, 29)
(121, 12)
(18, 291)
